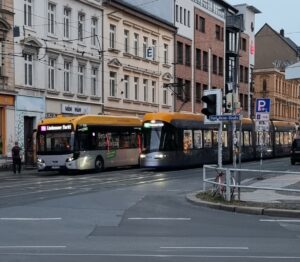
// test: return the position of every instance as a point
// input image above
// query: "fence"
(232, 172)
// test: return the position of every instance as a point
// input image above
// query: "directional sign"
(263, 105)
(225, 117)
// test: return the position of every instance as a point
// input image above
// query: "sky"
(277, 14)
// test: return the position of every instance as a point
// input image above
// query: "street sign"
(261, 125)
(263, 105)
(263, 116)
(225, 117)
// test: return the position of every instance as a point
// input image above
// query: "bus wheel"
(99, 164)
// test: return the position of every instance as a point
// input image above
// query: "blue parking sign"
(263, 105)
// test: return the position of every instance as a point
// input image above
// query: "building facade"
(7, 91)
(58, 57)
(274, 52)
(135, 80)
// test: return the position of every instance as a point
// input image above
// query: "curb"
(252, 210)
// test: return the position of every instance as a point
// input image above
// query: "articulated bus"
(88, 142)
(182, 140)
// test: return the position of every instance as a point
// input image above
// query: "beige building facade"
(138, 61)
(7, 92)
(284, 94)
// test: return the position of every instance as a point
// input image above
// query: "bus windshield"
(54, 142)
(159, 137)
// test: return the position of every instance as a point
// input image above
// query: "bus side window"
(198, 139)
(207, 138)
(124, 140)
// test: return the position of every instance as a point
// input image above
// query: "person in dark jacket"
(16, 156)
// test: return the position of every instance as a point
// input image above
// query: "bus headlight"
(40, 161)
(159, 156)
(142, 156)
(74, 157)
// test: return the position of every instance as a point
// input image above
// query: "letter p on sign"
(263, 105)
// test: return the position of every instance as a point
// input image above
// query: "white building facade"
(58, 61)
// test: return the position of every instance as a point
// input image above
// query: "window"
(231, 42)
(205, 61)
(198, 58)
(198, 92)
(177, 15)
(187, 90)
(165, 97)
(196, 21)
(179, 53)
(241, 73)
(81, 18)
(246, 75)
(145, 86)
(153, 92)
(215, 64)
(126, 41)
(136, 88)
(145, 45)
(184, 16)
(201, 24)
(67, 73)
(51, 73)
(112, 36)
(189, 19)
(154, 49)
(28, 12)
(67, 17)
(94, 31)
(28, 64)
(80, 79)
(188, 55)
(198, 139)
(220, 66)
(126, 86)
(166, 54)
(179, 88)
(112, 83)
(51, 18)
(94, 81)
(136, 44)
(180, 15)
(219, 32)
(244, 44)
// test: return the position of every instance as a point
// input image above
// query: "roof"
(93, 120)
(170, 116)
(287, 40)
(135, 9)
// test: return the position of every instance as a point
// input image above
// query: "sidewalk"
(261, 202)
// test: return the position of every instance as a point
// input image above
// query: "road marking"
(3, 247)
(29, 218)
(231, 248)
(281, 220)
(159, 218)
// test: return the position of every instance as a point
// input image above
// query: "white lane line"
(3, 247)
(231, 248)
(29, 218)
(281, 220)
(160, 218)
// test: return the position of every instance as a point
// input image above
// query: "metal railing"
(232, 172)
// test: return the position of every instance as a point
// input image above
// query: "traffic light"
(212, 103)
(229, 103)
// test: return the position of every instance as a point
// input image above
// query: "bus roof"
(93, 120)
(171, 116)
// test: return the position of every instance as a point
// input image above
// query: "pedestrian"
(16, 156)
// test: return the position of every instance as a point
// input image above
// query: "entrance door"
(28, 140)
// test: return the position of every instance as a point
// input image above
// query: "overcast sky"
(278, 14)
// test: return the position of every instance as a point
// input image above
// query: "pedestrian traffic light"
(212, 104)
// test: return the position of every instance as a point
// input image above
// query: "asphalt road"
(133, 215)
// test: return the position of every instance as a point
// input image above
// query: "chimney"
(282, 32)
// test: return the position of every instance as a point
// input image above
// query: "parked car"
(295, 151)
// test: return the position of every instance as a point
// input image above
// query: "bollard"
(228, 176)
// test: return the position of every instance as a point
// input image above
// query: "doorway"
(28, 140)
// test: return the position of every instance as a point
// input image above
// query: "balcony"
(235, 22)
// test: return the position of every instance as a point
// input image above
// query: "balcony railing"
(235, 22)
